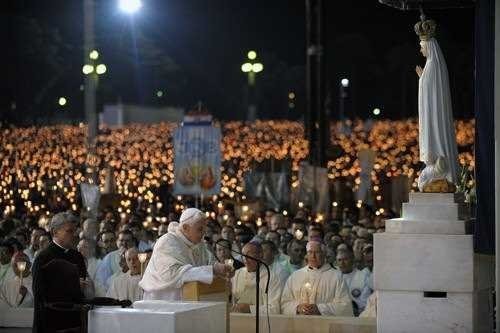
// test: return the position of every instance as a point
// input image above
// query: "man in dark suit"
(52, 270)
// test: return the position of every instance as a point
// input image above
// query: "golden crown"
(425, 29)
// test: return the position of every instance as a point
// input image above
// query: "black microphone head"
(125, 303)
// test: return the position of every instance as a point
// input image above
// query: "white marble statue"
(437, 140)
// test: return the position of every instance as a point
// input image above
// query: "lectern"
(217, 291)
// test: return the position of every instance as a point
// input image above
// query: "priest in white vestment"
(126, 285)
(13, 293)
(181, 256)
(354, 279)
(244, 285)
(316, 289)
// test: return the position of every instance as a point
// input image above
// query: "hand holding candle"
(21, 266)
(142, 259)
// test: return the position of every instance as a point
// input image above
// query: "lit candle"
(21, 266)
(142, 259)
(307, 290)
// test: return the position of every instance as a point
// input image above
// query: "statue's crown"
(425, 29)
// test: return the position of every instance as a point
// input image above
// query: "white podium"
(424, 268)
(160, 317)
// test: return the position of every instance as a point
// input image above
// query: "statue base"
(439, 186)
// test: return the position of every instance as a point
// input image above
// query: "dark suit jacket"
(56, 273)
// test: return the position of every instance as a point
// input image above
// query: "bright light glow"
(252, 55)
(376, 111)
(291, 95)
(87, 69)
(62, 101)
(257, 67)
(130, 6)
(345, 83)
(246, 67)
(101, 69)
(94, 55)
(159, 94)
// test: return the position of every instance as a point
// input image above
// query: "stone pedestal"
(424, 267)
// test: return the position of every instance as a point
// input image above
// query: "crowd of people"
(318, 266)
(315, 268)
(41, 167)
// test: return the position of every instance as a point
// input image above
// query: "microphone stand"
(257, 280)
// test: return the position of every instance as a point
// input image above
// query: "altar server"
(126, 285)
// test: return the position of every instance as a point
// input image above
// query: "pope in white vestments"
(180, 256)
(315, 289)
(244, 285)
(126, 285)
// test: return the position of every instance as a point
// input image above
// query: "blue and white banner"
(197, 159)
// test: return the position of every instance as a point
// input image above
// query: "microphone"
(257, 281)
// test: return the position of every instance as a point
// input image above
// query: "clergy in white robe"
(315, 289)
(244, 285)
(110, 264)
(16, 292)
(355, 280)
(180, 256)
(126, 285)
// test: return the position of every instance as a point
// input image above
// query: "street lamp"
(344, 84)
(130, 6)
(62, 101)
(251, 68)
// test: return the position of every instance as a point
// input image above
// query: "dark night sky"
(193, 50)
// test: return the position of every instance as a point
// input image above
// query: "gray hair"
(61, 219)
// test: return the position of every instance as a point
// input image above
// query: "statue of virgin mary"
(437, 139)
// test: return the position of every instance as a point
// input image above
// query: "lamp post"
(344, 84)
(92, 71)
(251, 67)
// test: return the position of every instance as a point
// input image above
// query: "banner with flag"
(197, 159)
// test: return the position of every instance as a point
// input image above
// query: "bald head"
(132, 259)
(252, 249)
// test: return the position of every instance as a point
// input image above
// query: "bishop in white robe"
(316, 289)
(244, 285)
(180, 256)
